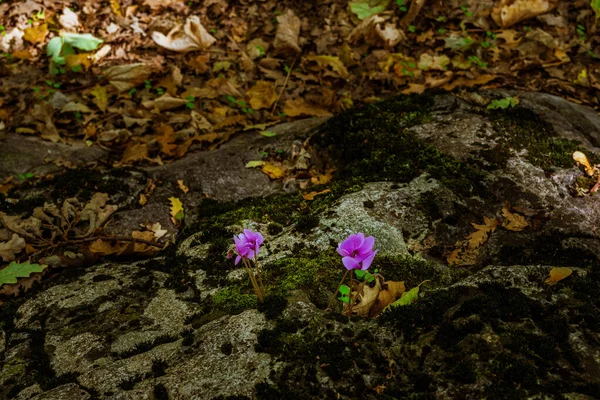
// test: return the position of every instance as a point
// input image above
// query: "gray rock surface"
(186, 325)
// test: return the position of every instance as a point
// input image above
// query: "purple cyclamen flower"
(247, 244)
(357, 251)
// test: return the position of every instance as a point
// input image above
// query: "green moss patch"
(520, 128)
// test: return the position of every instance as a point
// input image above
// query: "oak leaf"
(513, 221)
(36, 34)
(12, 247)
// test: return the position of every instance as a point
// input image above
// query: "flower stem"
(253, 279)
(262, 286)
(337, 290)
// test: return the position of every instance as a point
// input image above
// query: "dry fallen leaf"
(36, 34)
(125, 77)
(6, 186)
(581, 158)
(288, 30)
(12, 247)
(509, 12)
(191, 36)
(297, 107)
(329, 61)
(181, 186)
(480, 236)
(273, 171)
(513, 221)
(558, 274)
(311, 196)
(262, 95)
(164, 103)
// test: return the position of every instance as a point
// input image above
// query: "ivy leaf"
(10, 274)
(344, 289)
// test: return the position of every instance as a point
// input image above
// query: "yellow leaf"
(143, 199)
(558, 274)
(23, 55)
(116, 7)
(75, 60)
(513, 221)
(36, 34)
(329, 61)
(181, 186)
(167, 140)
(311, 196)
(100, 97)
(176, 210)
(297, 107)
(581, 158)
(143, 247)
(262, 95)
(135, 152)
(273, 171)
(322, 179)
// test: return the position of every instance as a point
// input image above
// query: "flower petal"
(367, 245)
(350, 263)
(341, 251)
(367, 261)
(237, 259)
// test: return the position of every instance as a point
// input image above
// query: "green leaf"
(344, 289)
(345, 299)
(503, 103)
(85, 41)
(268, 133)
(16, 270)
(255, 163)
(407, 298)
(365, 8)
(359, 273)
(53, 50)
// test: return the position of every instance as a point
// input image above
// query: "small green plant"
(148, 84)
(190, 102)
(441, 31)
(132, 91)
(412, 29)
(441, 18)
(160, 91)
(261, 51)
(64, 45)
(287, 69)
(466, 11)
(478, 61)
(401, 5)
(595, 4)
(2, 30)
(213, 31)
(581, 32)
(240, 103)
(26, 176)
(503, 103)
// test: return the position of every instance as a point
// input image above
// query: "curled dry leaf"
(191, 36)
(164, 103)
(288, 31)
(182, 186)
(372, 298)
(69, 20)
(581, 158)
(372, 33)
(6, 186)
(509, 12)
(125, 77)
(12, 247)
(311, 196)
